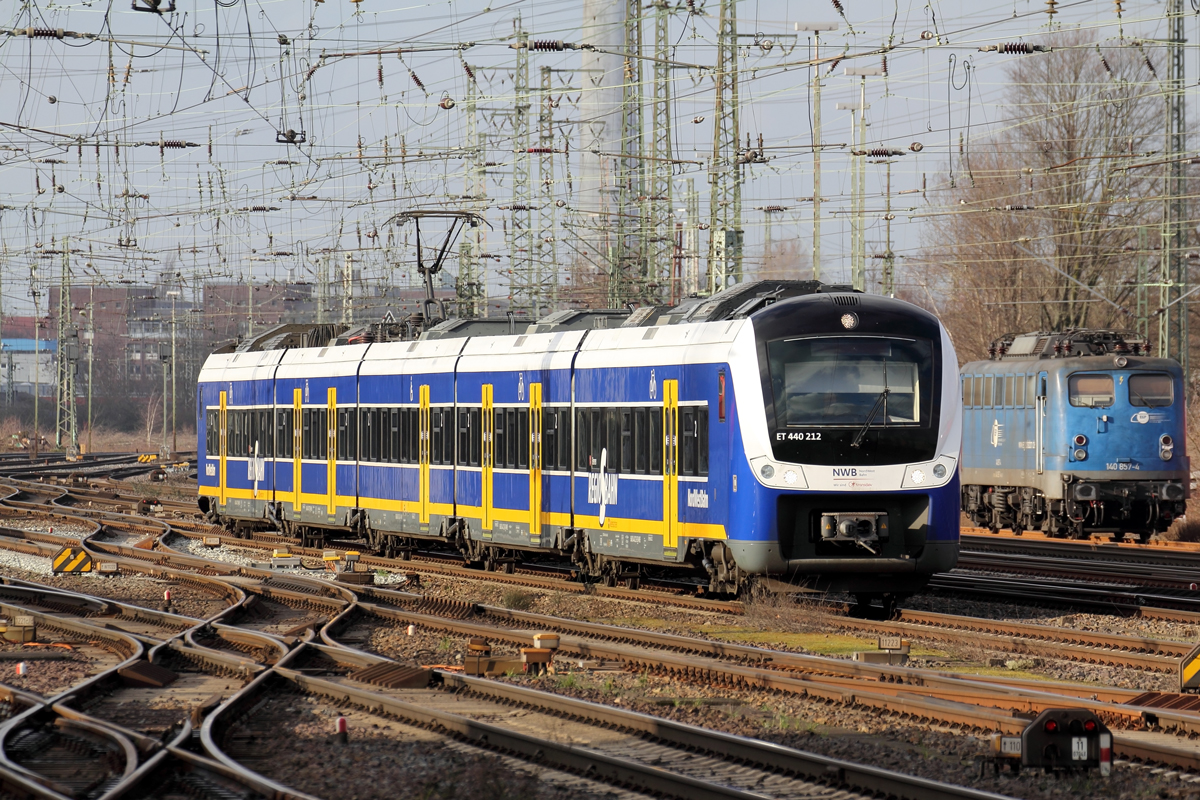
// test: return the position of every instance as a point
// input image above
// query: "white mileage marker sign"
(1079, 748)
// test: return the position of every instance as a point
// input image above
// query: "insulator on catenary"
(879, 152)
(540, 150)
(1104, 63)
(467, 69)
(44, 33)
(837, 6)
(884, 65)
(1015, 48)
(1149, 65)
(380, 74)
(415, 79)
(546, 44)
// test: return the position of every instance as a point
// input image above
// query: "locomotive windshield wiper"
(858, 437)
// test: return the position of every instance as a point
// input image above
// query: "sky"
(90, 123)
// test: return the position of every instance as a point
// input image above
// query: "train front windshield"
(822, 382)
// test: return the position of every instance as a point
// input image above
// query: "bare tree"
(150, 418)
(1041, 223)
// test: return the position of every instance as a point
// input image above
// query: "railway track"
(974, 704)
(613, 747)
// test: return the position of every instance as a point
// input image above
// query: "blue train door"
(223, 417)
(331, 454)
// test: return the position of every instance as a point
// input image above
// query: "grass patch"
(516, 600)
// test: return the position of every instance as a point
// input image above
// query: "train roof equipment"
(1071, 343)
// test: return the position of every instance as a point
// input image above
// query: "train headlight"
(767, 472)
(917, 476)
(1165, 454)
(1166, 441)
(939, 471)
(789, 477)
(1080, 440)
(1081, 454)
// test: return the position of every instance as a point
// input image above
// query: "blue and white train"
(778, 433)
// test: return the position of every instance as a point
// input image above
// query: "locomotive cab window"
(851, 381)
(1151, 390)
(1090, 390)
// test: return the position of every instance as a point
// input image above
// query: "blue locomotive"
(1074, 433)
(776, 433)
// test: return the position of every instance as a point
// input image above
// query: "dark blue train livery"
(776, 433)
(1074, 433)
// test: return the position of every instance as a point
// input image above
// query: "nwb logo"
(845, 472)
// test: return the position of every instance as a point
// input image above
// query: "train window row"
(1096, 390)
(632, 437)
(998, 391)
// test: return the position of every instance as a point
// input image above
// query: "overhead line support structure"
(522, 281)
(66, 434)
(628, 271)
(725, 234)
(1173, 323)
(659, 205)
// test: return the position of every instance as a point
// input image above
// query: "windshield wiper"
(858, 437)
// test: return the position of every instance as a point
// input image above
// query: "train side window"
(1090, 390)
(499, 452)
(1001, 397)
(511, 436)
(464, 436)
(395, 434)
(987, 391)
(305, 432)
(549, 438)
(688, 435)
(522, 416)
(1151, 390)
(657, 443)
(380, 422)
(268, 432)
(582, 438)
(341, 435)
(597, 437)
(626, 440)
(966, 390)
(476, 434)
(565, 442)
(977, 392)
(414, 433)
(365, 430)
(283, 431)
(641, 441)
(436, 436)
(702, 441)
(251, 427)
(1031, 390)
(612, 441)
(323, 434)
(404, 437)
(1009, 398)
(448, 439)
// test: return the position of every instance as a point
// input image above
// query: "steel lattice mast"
(724, 172)
(628, 271)
(523, 279)
(66, 433)
(472, 277)
(1172, 325)
(659, 208)
(546, 249)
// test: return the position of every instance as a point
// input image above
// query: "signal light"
(1080, 440)
(1090, 726)
(1051, 726)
